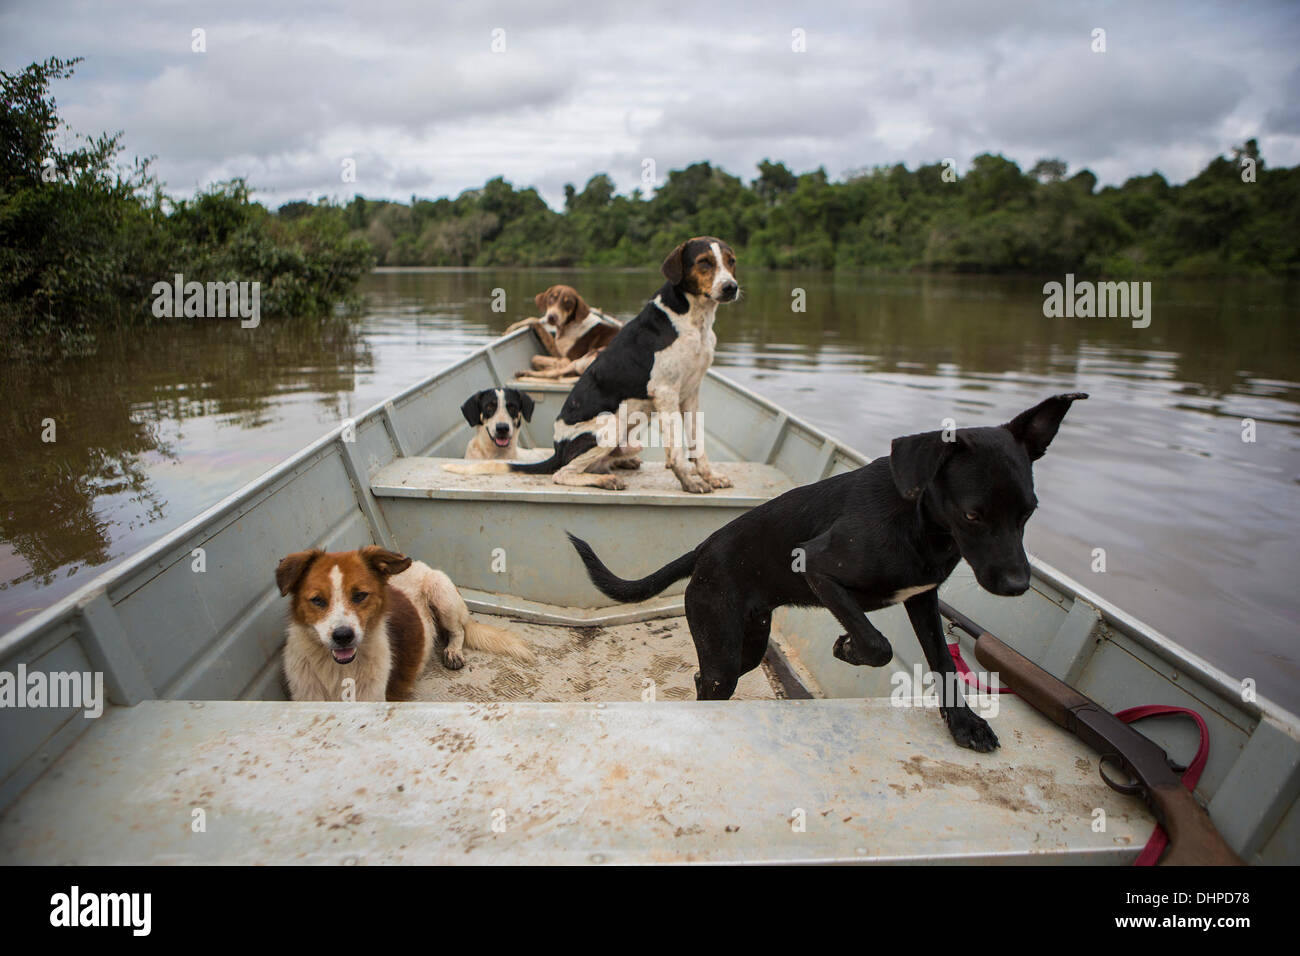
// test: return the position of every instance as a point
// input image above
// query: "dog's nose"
(342, 636)
(729, 290)
(503, 429)
(1015, 583)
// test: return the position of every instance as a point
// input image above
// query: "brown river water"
(1198, 526)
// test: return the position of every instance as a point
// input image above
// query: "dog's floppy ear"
(581, 311)
(526, 406)
(1036, 428)
(540, 299)
(291, 569)
(385, 562)
(914, 460)
(672, 267)
(470, 410)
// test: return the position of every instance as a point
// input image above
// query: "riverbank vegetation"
(83, 240)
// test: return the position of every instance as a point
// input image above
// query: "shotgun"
(1193, 839)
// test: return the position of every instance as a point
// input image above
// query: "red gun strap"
(954, 651)
(1159, 839)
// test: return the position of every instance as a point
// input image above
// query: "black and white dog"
(495, 414)
(654, 365)
(889, 533)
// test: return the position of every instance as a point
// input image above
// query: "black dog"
(891, 531)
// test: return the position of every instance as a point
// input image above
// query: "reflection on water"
(152, 411)
(1197, 525)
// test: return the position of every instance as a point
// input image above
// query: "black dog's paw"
(852, 652)
(968, 729)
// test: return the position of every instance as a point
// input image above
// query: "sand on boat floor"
(594, 663)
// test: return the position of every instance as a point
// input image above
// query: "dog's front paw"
(696, 485)
(876, 654)
(719, 481)
(611, 483)
(969, 729)
(628, 463)
(454, 660)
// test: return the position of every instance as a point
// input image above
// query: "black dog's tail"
(628, 591)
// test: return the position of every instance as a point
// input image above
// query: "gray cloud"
(1090, 105)
(413, 93)
(1285, 118)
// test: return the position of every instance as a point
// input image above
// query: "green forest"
(83, 238)
(990, 218)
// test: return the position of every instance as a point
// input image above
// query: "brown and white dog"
(496, 415)
(655, 365)
(572, 333)
(372, 615)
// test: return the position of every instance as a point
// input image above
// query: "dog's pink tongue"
(501, 442)
(343, 655)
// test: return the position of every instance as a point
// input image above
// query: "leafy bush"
(83, 241)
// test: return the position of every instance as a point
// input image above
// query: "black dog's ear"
(470, 410)
(914, 460)
(1036, 428)
(672, 267)
(526, 405)
(291, 569)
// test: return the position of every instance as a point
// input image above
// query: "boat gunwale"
(1213, 677)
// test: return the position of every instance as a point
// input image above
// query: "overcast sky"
(415, 94)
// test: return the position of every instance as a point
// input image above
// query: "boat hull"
(196, 618)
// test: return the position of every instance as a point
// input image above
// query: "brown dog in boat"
(570, 331)
(372, 615)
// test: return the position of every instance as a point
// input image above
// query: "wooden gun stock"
(1193, 839)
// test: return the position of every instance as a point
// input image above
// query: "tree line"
(83, 239)
(1236, 217)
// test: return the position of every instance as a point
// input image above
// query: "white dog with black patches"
(655, 365)
(496, 415)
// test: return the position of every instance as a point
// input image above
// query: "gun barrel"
(1079, 714)
(1035, 686)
